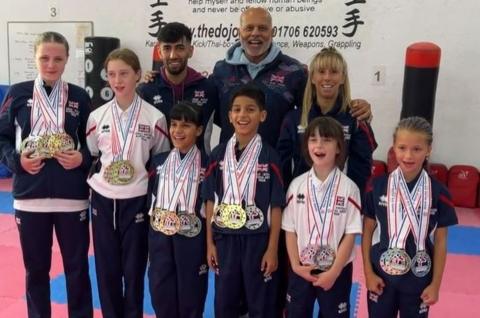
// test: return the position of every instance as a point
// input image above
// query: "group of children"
(226, 210)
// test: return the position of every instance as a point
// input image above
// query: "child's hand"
(212, 258)
(430, 295)
(374, 283)
(269, 262)
(31, 165)
(305, 271)
(69, 159)
(326, 279)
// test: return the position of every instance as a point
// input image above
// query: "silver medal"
(324, 257)
(255, 217)
(421, 264)
(395, 261)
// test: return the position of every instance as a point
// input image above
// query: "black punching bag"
(420, 80)
(419, 86)
(97, 49)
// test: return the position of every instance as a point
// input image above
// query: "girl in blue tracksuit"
(178, 271)
(327, 93)
(404, 241)
(42, 141)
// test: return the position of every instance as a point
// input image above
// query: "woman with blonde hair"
(327, 93)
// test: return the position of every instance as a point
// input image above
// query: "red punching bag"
(422, 62)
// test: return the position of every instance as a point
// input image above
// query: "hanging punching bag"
(97, 49)
(422, 62)
(420, 80)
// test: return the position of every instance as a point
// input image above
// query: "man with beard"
(255, 58)
(177, 82)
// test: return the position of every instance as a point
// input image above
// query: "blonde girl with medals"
(42, 140)
(123, 133)
(321, 220)
(178, 270)
(405, 229)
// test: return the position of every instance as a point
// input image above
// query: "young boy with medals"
(404, 211)
(321, 220)
(244, 196)
(178, 271)
(124, 133)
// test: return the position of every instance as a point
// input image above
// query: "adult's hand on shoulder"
(361, 110)
(149, 76)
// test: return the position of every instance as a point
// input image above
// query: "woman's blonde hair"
(328, 58)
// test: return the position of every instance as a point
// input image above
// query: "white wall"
(390, 26)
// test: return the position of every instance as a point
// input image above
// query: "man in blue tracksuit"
(177, 82)
(256, 59)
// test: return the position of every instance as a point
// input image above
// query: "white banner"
(301, 27)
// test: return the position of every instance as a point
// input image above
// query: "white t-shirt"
(298, 218)
(151, 137)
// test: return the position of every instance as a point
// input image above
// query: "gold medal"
(233, 216)
(119, 172)
(155, 219)
(59, 142)
(217, 215)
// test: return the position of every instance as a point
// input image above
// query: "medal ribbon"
(418, 222)
(320, 200)
(123, 137)
(240, 177)
(172, 178)
(398, 224)
(47, 115)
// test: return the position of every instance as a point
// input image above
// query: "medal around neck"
(233, 216)
(166, 222)
(119, 172)
(421, 264)
(324, 257)
(37, 144)
(395, 261)
(155, 219)
(59, 142)
(217, 215)
(190, 224)
(255, 217)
